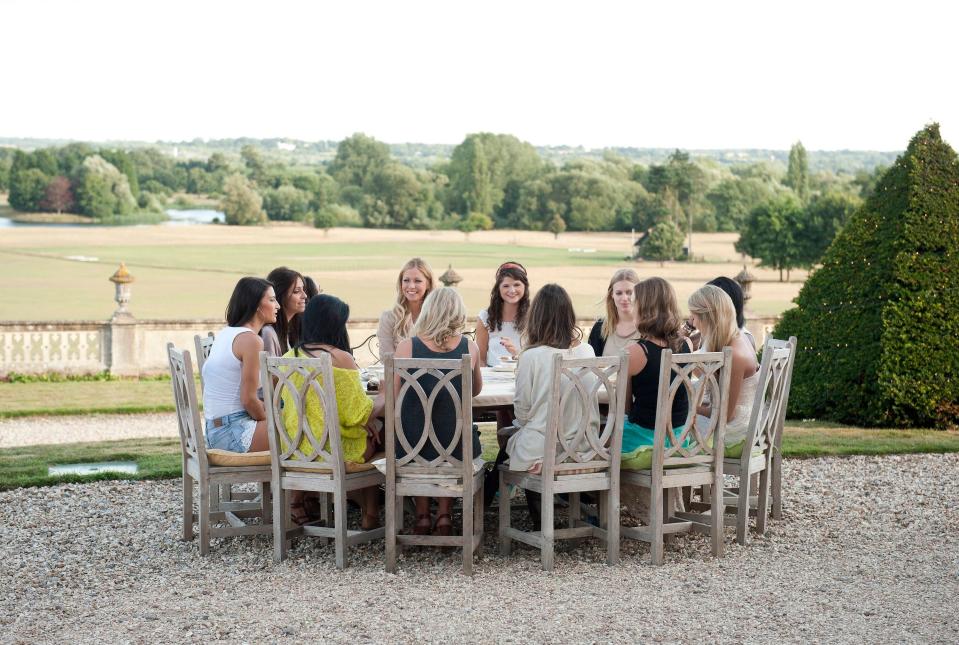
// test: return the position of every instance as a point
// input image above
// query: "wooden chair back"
(409, 371)
(575, 387)
(283, 396)
(698, 443)
(769, 404)
(192, 439)
(203, 344)
(372, 344)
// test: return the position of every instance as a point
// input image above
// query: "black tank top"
(645, 386)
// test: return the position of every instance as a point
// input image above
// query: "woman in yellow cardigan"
(324, 331)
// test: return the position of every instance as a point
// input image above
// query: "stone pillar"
(121, 332)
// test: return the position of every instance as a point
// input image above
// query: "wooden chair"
(689, 459)
(323, 468)
(760, 439)
(776, 468)
(589, 461)
(213, 468)
(203, 345)
(413, 475)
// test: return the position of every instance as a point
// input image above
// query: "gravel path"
(868, 552)
(29, 431)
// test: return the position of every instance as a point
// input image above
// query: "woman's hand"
(510, 347)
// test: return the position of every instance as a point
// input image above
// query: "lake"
(177, 218)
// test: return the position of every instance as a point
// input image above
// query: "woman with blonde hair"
(658, 322)
(713, 314)
(438, 333)
(413, 284)
(611, 335)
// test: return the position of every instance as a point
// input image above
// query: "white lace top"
(496, 352)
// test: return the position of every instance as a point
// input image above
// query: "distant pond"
(177, 218)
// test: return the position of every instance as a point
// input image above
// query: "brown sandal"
(424, 521)
(298, 514)
(443, 528)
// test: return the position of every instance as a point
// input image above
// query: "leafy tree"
(770, 234)
(797, 174)
(253, 160)
(28, 187)
(358, 159)
(58, 195)
(665, 242)
(217, 163)
(241, 205)
(337, 215)
(823, 217)
(124, 164)
(733, 199)
(102, 190)
(476, 222)
(487, 168)
(286, 203)
(556, 225)
(325, 218)
(875, 323)
(398, 197)
(5, 165)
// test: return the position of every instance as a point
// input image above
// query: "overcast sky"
(718, 74)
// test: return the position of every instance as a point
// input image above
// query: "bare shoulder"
(404, 349)
(343, 360)
(246, 342)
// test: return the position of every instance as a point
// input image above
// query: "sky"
(695, 75)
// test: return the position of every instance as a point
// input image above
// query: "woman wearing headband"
(502, 323)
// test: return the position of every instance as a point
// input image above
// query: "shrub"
(876, 323)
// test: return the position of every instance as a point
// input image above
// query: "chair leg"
(394, 514)
(468, 501)
(777, 485)
(280, 518)
(742, 511)
(266, 502)
(205, 519)
(574, 510)
(478, 519)
(339, 527)
(187, 507)
(717, 514)
(505, 543)
(656, 524)
(612, 525)
(762, 507)
(547, 510)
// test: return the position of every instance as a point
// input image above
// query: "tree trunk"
(780, 274)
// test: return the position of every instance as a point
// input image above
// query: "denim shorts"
(234, 434)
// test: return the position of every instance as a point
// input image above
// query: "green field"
(188, 271)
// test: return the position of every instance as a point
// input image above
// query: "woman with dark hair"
(310, 287)
(235, 416)
(498, 334)
(551, 329)
(611, 335)
(324, 332)
(659, 324)
(290, 292)
(735, 293)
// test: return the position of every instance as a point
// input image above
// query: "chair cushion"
(351, 467)
(217, 457)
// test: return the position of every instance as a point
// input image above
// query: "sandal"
(424, 521)
(443, 528)
(298, 514)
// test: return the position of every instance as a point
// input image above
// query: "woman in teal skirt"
(658, 321)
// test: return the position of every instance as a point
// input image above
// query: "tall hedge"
(878, 323)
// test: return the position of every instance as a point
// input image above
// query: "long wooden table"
(498, 387)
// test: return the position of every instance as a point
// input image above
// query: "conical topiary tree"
(879, 322)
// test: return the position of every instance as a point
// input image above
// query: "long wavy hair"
(284, 281)
(494, 321)
(717, 317)
(612, 313)
(403, 317)
(552, 321)
(657, 312)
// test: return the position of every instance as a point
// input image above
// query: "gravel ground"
(868, 552)
(26, 431)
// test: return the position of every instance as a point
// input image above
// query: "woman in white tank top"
(235, 416)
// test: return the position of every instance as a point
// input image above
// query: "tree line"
(786, 215)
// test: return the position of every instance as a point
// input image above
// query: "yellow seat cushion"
(217, 457)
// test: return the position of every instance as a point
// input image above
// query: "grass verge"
(85, 397)
(160, 458)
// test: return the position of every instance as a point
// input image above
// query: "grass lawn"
(160, 458)
(85, 397)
